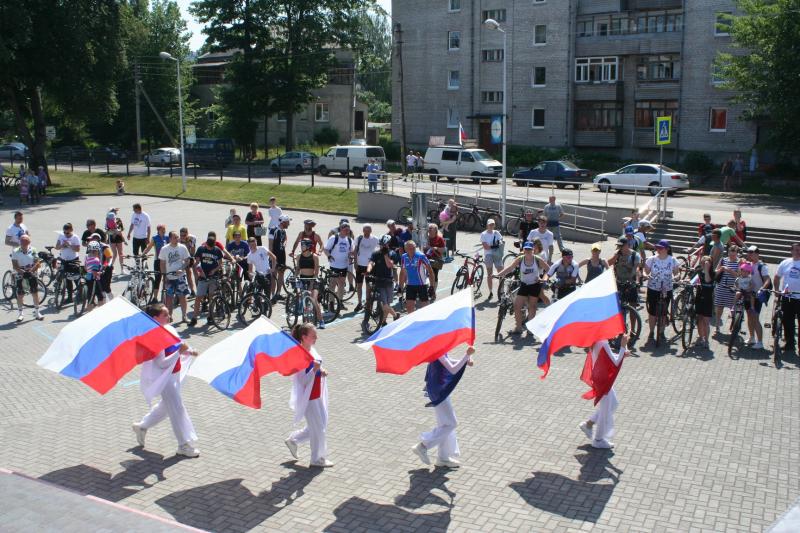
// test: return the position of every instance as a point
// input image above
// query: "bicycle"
(329, 302)
(513, 224)
(83, 298)
(776, 324)
(682, 292)
(48, 266)
(688, 316)
(374, 315)
(255, 303)
(299, 303)
(61, 293)
(737, 317)
(10, 288)
(506, 293)
(469, 278)
(663, 311)
(219, 309)
(139, 290)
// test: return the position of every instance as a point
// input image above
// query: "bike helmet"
(93, 247)
(385, 240)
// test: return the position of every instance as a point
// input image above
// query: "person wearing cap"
(640, 234)
(626, 263)
(595, 265)
(158, 242)
(339, 250)
(493, 246)
(544, 235)
(208, 259)
(25, 262)
(308, 233)
(661, 269)
(366, 245)
(139, 228)
(761, 285)
(566, 272)
(528, 268)
(274, 213)
(338, 228)
(277, 245)
(235, 226)
(554, 212)
(787, 280)
(344, 225)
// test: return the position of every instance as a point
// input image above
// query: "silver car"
(163, 157)
(13, 151)
(296, 161)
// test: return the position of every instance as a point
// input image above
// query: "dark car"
(70, 153)
(211, 152)
(551, 171)
(110, 153)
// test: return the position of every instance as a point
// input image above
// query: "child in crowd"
(120, 187)
(744, 285)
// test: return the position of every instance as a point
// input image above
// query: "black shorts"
(561, 292)
(116, 238)
(27, 280)
(628, 294)
(339, 272)
(360, 273)
(652, 302)
(417, 292)
(530, 289)
(280, 257)
(704, 301)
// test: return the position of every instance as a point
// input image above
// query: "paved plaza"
(704, 443)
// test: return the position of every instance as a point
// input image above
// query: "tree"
(69, 53)
(764, 71)
(375, 63)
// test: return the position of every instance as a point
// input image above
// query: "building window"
(658, 22)
(282, 116)
(717, 78)
(539, 77)
(723, 23)
(619, 26)
(453, 117)
(454, 5)
(540, 34)
(718, 119)
(596, 69)
(585, 28)
(539, 1)
(492, 56)
(602, 29)
(657, 68)
(321, 112)
(453, 40)
(537, 118)
(454, 79)
(492, 97)
(598, 116)
(648, 110)
(496, 14)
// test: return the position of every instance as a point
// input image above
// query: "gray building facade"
(589, 74)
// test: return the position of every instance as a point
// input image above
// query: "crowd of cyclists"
(378, 267)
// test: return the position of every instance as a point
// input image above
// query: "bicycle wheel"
(330, 305)
(219, 314)
(508, 258)
(502, 311)
(472, 222)
(46, 274)
(294, 312)
(678, 308)
(460, 282)
(777, 331)
(309, 312)
(689, 320)
(735, 340)
(477, 280)
(9, 286)
(59, 292)
(84, 299)
(512, 227)
(633, 324)
(349, 291)
(683, 263)
(373, 316)
(251, 308)
(288, 274)
(41, 290)
(403, 214)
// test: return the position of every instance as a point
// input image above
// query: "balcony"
(628, 44)
(588, 91)
(646, 5)
(598, 139)
(658, 90)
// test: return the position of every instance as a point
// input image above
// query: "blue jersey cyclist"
(415, 271)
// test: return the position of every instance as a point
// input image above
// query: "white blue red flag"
(234, 366)
(462, 134)
(102, 346)
(590, 314)
(424, 335)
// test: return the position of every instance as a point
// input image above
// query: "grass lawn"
(330, 199)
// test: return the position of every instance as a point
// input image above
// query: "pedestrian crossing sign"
(663, 130)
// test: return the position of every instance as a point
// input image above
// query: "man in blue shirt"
(208, 259)
(157, 241)
(239, 250)
(372, 176)
(415, 271)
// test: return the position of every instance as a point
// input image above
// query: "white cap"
(490, 221)
(389, 222)
(284, 218)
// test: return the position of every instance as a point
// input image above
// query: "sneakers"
(292, 445)
(321, 324)
(20, 318)
(584, 426)
(37, 315)
(422, 453)
(187, 450)
(751, 341)
(448, 463)
(758, 345)
(140, 434)
(322, 463)
(602, 444)
(358, 308)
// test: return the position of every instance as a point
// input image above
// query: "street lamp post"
(166, 55)
(494, 25)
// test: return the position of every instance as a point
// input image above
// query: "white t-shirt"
(545, 238)
(15, 232)
(366, 247)
(24, 259)
(67, 253)
(140, 222)
(491, 238)
(260, 260)
(758, 279)
(660, 272)
(340, 252)
(274, 215)
(175, 256)
(789, 271)
(411, 160)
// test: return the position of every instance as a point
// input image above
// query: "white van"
(345, 158)
(452, 161)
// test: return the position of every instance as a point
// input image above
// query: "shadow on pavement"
(422, 482)
(230, 506)
(357, 514)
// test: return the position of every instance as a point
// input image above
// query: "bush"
(598, 161)
(392, 149)
(697, 163)
(327, 135)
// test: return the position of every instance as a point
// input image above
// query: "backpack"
(336, 240)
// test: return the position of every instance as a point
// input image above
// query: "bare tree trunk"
(289, 132)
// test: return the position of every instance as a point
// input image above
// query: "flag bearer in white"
(605, 367)
(310, 400)
(440, 380)
(163, 376)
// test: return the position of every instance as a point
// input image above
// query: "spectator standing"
(526, 226)
(381, 267)
(229, 218)
(493, 247)
(235, 227)
(738, 167)
(740, 225)
(254, 221)
(44, 181)
(661, 268)
(704, 300)
(372, 176)
(566, 273)
(159, 240)
(116, 239)
(209, 262)
(544, 235)
(450, 232)
(190, 242)
(175, 261)
(68, 245)
(259, 263)
(91, 229)
(716, 249)
(277, 245)
(309, 234)
(33, 186)
(727, 270)
(706, 226)
(595, 265)
(787, 279)
(139, 228)
(23, 191)
(725, 172)
(239, 250)
(753, 161)
(25, 262)
(411, 162)
(15, 231)
(419, 164)
(554, 212)
(274, 213)
(339, 250)
(415, 271)
(435, 250)
(761, 284)
(366, 245)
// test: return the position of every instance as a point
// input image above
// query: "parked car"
(211, 152)
(297, 161)
(551, 171)
(358, 142)
(642, 176)
(457, 161)
(111, 154)
(13, 151)
(163, 157)
(70, 153)
(343, 159)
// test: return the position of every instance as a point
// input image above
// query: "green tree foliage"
(67, 53)
(765, 69)
(375, 65)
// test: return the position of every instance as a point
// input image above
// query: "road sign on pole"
(50, 131)
(497, 129)
(663, 130)
(191, 134)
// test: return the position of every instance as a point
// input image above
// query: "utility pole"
(138, 112)
(399, 43)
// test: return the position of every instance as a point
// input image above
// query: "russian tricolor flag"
(102, 346)
(234, 366)
(590, 314)
(424, 335)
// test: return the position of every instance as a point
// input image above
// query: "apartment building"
(590, 74)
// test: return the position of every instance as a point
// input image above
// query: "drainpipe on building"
(680, 84)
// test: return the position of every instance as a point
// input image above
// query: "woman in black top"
(307, 264)
(255, 223)
(704, 300)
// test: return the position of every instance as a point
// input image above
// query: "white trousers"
(603, 416)
(314, 432)
(443, 436)
(171, 405)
